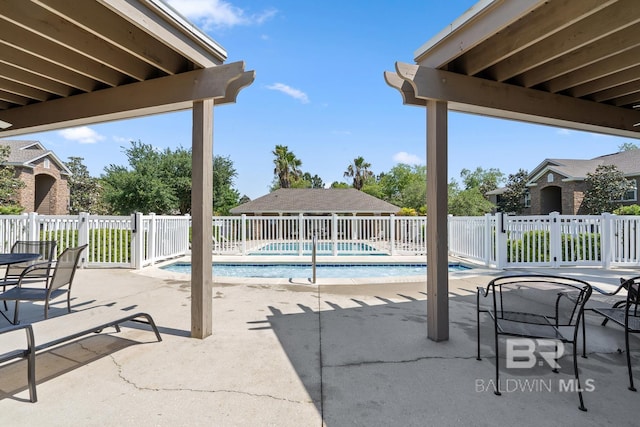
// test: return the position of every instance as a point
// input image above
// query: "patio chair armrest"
(624, 284)
(483, 291)
(45, 265)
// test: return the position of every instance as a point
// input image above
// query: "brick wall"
(44, 173)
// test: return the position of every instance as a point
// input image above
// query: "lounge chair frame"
(75, 325)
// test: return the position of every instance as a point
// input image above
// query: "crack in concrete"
(196, 390)
(419, 359)
(391, 362)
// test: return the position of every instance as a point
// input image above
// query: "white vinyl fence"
(552, 240)
(114, 241)
(497, 240)
(335, 235)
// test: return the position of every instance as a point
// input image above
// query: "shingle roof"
(628, 162)
(23, 153)
(316, 201)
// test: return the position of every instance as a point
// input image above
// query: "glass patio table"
(16, 258)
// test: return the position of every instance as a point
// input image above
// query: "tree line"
(160, 181)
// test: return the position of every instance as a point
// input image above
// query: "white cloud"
(406, 158)
(288, 90)
(219, 13)
(564, 132)
(83, 135)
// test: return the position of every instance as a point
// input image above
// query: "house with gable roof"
(316, 201)
(46, 177)
(558, 185)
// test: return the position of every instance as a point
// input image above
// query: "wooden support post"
(437, 242)
(202, 211)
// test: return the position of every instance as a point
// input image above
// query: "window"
(527, 199)
(47, 164)
(550, 177)
(632, 194)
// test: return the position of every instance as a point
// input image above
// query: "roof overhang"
(571, 64)
(65, 64)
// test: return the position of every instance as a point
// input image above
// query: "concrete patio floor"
(296, 354)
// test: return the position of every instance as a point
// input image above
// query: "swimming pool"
(322, 248)
(331, 270)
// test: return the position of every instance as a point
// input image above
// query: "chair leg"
(478, 324)
(626, 342)
(15, 313)
(584, 338)
(575, 368)
(31, 375)
(497, 390)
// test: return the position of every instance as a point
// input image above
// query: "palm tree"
(359, 171)
(287, 166)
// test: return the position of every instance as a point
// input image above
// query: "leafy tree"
(160, 182)
(359, 171)
(512, 200)
(314, 181)
(145, 187)
(336, 184)
(9, 184)
(484, 180)
(405, 186)
(627, 146)
(605, 189)
(469, 202)
(84, 190)
(225, 196)
(287, 166)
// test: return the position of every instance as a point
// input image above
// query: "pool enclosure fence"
(498, 240)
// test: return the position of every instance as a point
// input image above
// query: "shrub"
(11, 210)
(628, 210)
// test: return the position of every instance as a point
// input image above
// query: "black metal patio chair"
(548, 308)
(625, 313)
(59, 283)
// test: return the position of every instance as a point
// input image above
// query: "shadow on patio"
(367, 361)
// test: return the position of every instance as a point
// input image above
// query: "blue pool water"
(305, 271)
(322, 248)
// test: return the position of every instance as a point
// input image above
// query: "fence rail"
(552, 240)
(497, 240)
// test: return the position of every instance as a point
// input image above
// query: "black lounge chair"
(535, 307)
(59, 283)
(625, 313)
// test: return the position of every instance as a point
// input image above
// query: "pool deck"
(297, 354)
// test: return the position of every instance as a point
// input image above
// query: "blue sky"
(319, 90)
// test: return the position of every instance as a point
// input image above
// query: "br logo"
(521, 352)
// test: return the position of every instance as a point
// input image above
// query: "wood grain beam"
(486, 97)
(159, 95)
